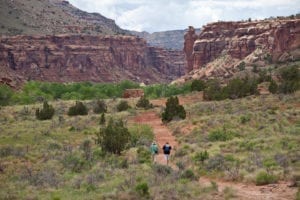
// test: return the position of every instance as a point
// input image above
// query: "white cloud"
(159, 15)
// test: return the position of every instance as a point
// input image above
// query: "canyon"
(74, 58)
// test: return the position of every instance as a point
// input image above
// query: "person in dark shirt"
(167, 150)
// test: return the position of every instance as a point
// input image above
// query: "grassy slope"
(35, 168)
(266, 128)
(33, 17)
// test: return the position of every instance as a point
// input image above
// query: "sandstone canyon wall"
(239, 39)
(69, 58)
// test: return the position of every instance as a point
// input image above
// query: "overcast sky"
(161, 15)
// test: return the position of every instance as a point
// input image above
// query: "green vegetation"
(173, 110)
(236, 88)
(122, 106)
(253, 139)
(114, 137)
(78, 109)
(144, 103)
(46, 112)
(34, 91)
(100, 107)
(264, 178)
(197, 85)
(291, 79)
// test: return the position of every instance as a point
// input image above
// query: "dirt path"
(242, 191)
(161, 132)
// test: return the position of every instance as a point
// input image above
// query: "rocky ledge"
(278, 38)
(72, 58)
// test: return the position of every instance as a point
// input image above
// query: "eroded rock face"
(239, 39)
(189, 40)
(72, 58)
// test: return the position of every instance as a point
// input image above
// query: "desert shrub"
(86, 146)
(263, 76)
(244, 119)
(188, 174)
(255, 68)
(216, 163)
(11, 151)
(78, 109)
(291, 79)
(264, 178)
(273, 87)
(102, 119)
(173, 110)
(5, 95)
(214, 91)
(269, 164)
(144, 103)
(201, 156)
(143, 155)
(162, 170)
(114, 137)
(73, 162)
(100, 107)
(238, 88)
(46, 177)
(142, 189)
(220, 135)
(122, 106)
(197, 85)
(242, 66)
(6, 151)
(232, 167)
(45, 113)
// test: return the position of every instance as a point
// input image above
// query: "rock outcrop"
(71, 58)
(239, 39)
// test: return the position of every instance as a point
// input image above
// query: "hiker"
(154, 151)
(167, 150)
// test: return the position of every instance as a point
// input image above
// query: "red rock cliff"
(239, 39)
(68, 58)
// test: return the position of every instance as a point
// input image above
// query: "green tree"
(45, 113)
(5, 95)
(100, 107)
(122, 106)
(114, 137)
(291, 79)
(273, 87)
(173, 110)
(144, 103)
(214, 91)
(78, 109)
(198, 85)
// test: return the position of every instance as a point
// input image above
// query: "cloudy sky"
(161, 15)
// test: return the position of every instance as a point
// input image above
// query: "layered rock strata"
(72, 58)
(239, 39)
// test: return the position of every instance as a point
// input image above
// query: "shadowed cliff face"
(239, 39)
(69, 58)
